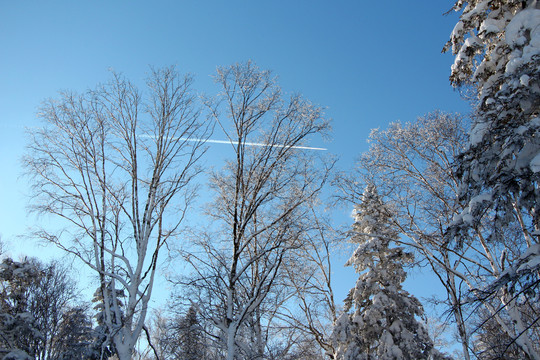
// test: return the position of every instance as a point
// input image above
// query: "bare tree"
(51, 298)
(314, 310)
(260, 210)
(118, 167)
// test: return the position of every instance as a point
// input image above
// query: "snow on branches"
(380, 317)
(497, 52)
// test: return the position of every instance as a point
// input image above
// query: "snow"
(534, 250)
(489, 101)
(468, 219)
(479, 8)
(17, 355)
(524, 80)
(469, 48)
(455, 33)
(477, 133)
(528, 19)
(489, 26)
(530, 265)
(523, 31)
(479, 199)
(527, 155)
(457, 29)
(535, 163)
(528, 262)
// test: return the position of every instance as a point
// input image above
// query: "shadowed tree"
(497, 54)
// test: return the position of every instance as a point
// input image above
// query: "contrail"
(247, 143)
(258, 144)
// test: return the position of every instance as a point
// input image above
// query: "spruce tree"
(191, 336)
(380, 318)
(497, 55)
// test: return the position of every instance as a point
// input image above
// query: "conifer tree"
(497, 54)
(191, 336)
(380, 318)
(17, 324)
(107, 319)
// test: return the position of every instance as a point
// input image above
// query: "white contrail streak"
(248, 143)
(257, 144)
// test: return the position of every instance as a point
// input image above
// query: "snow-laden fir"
(380, 318)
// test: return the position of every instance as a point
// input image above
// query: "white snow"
(534, 250)
(468, 218)
(480, 198)
(489, 26)
(524, 80)
(523, 31)
(531, 258)
(17, 355)
(535, 163)
(477, 133)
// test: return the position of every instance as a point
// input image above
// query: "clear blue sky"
(368, 62)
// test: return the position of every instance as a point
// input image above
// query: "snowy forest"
(118, 169)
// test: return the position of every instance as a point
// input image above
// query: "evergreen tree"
(182, 337)
(103, 346)
(75, 336)
(17, 325)
(497, 54)
(191, 336)
(36, 313)
(380, 318)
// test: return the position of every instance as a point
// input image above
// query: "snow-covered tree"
(260, 209)
(380, 318)
(37, 303)
(411, 165)
(74, 337)
(103, 343)
(497, 48)
(116, 166)
(18, 330)
(497, 53)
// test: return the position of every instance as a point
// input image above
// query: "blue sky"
(368, 62)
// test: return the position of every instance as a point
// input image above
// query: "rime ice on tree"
(379, 319)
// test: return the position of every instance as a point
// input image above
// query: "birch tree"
(116, 166)
(260, 209)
